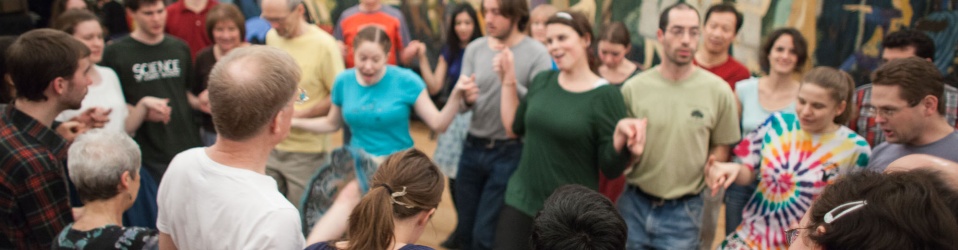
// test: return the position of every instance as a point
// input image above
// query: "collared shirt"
(864, 124)
(190, 26)
(34, 201)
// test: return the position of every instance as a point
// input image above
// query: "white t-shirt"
(105, 94)
(207, 205)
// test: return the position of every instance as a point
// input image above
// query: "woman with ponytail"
(404, 194)
(793, 157)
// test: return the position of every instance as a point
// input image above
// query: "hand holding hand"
(630, 133)
(158, 110)
(719, 175)
(204, 99)
(95, 117)
(468, 88)
(504, 65)
(71, 129)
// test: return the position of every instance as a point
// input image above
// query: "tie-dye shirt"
(793, 167)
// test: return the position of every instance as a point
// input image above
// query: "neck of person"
(301, 29)
(938, 130)
(710, 59)
(42, 111)
(142, 36)
(406, 231)
(100, 213)
(370, 7)
(196, 5)
(580, 74)
(514, 38)
(780, 81)
(247, 154)
(676, 72)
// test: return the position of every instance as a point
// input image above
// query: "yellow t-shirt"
(685, 118)
(317, 55)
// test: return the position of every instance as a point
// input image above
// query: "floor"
(444, 221)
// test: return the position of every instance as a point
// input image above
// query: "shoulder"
(349, 12)
(119, 43)
(205, 53)
(854, 138)
(704, 76)
(642, 78)
(477, 44)
(531, 46)
(746, 84)
(320, 246)
(393, 11)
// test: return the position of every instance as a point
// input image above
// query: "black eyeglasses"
(791, 235)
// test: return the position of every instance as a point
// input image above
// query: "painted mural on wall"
(846, 33)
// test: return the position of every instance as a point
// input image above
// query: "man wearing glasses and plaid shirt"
(898, 45)
(905, 105)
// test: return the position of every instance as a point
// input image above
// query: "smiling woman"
(227, 26)
(797, 156)
(567, 122)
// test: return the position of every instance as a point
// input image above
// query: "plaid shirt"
(865, 125)
(34, 202)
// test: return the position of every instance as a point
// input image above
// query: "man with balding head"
(219, 197)
(319, 59)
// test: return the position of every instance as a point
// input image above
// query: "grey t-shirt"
(531, 57)
(885, 153)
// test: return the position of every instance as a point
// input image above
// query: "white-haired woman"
(105, 167)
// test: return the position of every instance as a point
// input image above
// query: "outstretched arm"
(327, 124)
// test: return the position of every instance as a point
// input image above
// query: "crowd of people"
(182, 134)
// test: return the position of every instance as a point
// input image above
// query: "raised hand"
(469, 89)
(504, 65)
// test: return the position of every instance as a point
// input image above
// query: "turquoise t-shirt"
(378, 115)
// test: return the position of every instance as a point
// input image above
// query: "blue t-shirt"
(378, 115)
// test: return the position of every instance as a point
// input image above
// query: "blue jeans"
(736, 197)
(672, 224)
(484, 170)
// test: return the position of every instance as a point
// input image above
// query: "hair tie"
(390, 190)
(394, 195)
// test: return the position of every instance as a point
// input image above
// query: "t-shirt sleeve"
(331, 64)
(748, 152)
(279, 229)
(414, 86)
(727, 129)
(467, 60)
(542, 62)
(187, 66)
(626, 92)
(606, 114)
(337, 93)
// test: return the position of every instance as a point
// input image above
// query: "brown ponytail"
(839, 84)
(411, 171)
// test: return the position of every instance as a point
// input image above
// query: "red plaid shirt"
(34, 201)
(865, 125)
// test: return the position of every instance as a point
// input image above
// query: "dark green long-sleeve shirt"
(567, 140)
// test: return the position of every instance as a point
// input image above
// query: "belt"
(658, 201)
(489, 143)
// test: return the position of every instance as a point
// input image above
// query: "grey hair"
(293, 3)
(97, 160)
